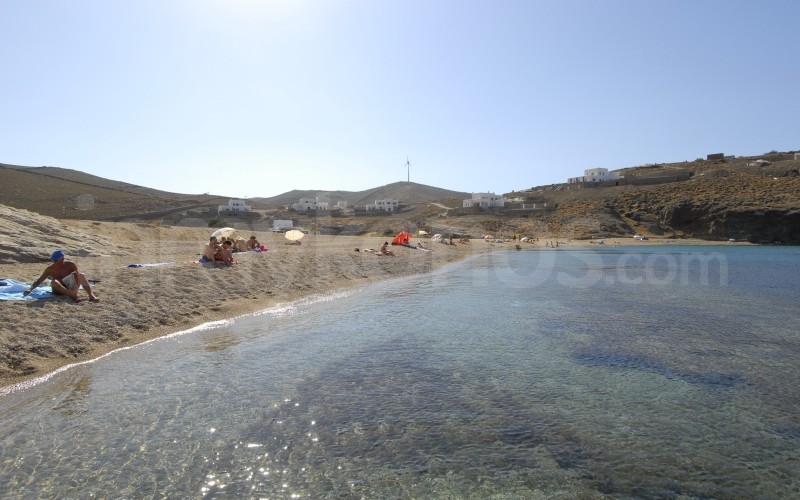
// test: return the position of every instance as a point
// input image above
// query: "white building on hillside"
(281, 225)
(233, 206)
(595, 175)
(309, 204)
(387, 205)
(484, 200)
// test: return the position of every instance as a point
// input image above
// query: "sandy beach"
(171, 291)
(141, 303)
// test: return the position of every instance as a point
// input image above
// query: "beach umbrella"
(225, 232)
(293, 235)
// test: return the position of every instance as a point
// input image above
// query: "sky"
(254, 98)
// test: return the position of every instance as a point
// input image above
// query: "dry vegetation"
(729, 199)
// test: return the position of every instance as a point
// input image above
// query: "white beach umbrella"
(225, 232)
(293, 235)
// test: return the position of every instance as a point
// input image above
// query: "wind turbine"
(408, 168)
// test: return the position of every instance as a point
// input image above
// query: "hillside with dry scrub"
(755, 199)
(739, 205)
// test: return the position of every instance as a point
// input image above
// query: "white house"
(484, 200)
(233, 206)
(279, 225)
(387, 205)
(595, 175)
(309, 204)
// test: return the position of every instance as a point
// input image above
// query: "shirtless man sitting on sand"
(64, 278)
(226, 254)
(253, 243)
(211, 252)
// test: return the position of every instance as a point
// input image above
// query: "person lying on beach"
(64, 278)
(295, 242)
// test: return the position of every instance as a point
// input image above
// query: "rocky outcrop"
(29, 237)
(756, 226)
(739, 206)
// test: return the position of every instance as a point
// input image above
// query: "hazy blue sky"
(258, 97)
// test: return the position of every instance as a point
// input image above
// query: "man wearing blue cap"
(64, 278)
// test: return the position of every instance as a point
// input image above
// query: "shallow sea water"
(668, 372)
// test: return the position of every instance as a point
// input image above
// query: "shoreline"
(140, 304)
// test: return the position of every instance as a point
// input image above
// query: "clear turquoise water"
(665, 372)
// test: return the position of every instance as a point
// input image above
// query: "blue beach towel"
(12, 290)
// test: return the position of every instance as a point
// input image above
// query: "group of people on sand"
(384, 250)
(221, 253)
(65, 279)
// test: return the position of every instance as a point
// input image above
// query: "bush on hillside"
(217, 222)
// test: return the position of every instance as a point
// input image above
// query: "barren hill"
(60, 192)
(66, 193)
(753, 199)
(405, 192)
